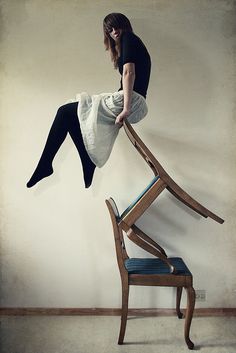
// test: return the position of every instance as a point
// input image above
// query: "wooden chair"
(160, 182)
(159, 271)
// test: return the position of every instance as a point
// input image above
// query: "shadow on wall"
(182, 81)
(17, 280)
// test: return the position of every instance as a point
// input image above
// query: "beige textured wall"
(56, 239)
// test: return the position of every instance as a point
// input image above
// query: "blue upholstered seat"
(139, 197)
(155, 266)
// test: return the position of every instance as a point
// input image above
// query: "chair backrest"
(121, 253)
(143, 150)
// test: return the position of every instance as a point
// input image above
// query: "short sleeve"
(129, 47)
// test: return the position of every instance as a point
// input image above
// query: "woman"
(93, 122)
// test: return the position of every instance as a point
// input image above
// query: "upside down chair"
(161, 270)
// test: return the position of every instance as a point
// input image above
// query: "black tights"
(66, 120)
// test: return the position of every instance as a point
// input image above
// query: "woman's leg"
(66, 120)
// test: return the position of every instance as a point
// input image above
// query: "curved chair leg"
(184, 197)
(178, 300)
(124, 312)
(189, 315)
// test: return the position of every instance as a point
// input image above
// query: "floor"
(98, 334)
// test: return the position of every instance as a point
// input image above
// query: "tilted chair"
(159, 271)
(160, 182)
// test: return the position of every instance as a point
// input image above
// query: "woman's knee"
(62, 109)
(68, 109)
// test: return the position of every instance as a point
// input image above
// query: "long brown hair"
(117, 21)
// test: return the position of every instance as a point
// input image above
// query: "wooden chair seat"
(129, 208)
(155, 272)
(155, 266)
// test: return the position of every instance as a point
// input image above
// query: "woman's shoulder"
(131, 39)
(129, 36)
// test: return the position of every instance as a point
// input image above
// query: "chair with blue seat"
(160, 271)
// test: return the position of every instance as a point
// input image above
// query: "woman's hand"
(119, 119)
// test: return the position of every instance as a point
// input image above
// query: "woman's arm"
(128, 84)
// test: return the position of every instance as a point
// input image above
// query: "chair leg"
(124, 312)
(189, 315)
(178, 300)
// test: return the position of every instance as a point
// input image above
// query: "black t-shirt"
(132, 50)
